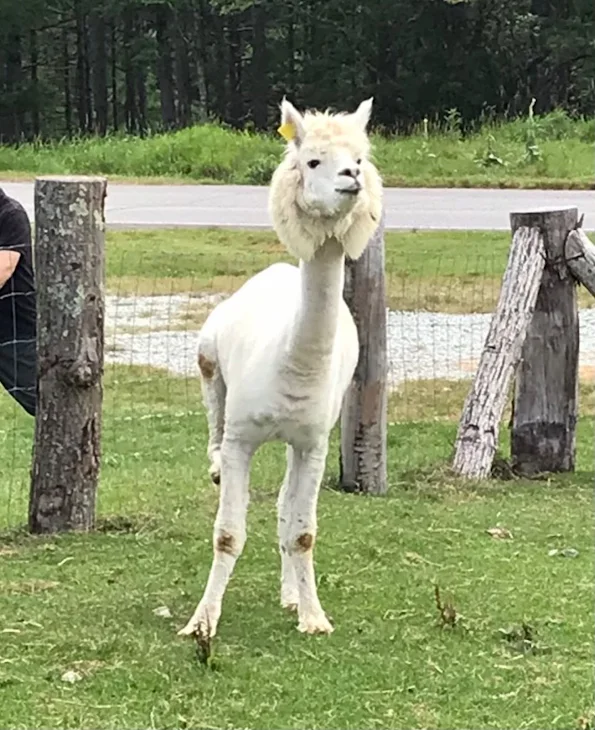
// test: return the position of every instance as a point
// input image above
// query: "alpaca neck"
(313, 335)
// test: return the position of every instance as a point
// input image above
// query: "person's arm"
(15, 235)
(8, 263)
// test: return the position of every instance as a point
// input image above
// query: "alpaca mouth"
(349, 191)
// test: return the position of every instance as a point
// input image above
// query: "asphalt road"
(155, 206)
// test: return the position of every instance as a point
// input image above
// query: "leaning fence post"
(477, 436)
(69, 266)
(363, 416)
(580, 257)
(545, 405)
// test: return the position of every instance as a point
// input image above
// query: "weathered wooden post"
(69, 262)
(580, 257)
(546, 388)
(363, 417)
(477, 437)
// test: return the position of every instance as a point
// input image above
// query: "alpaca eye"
(359, 162)
(313, 163)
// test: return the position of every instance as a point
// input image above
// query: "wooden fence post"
(546, 389)
(69, 263)
(363, 416)
(477, 437)
(580, 257)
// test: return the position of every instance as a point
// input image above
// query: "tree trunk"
(114, 75)
(99, 70)
(165, 75)
(81, 80)
(12, 124)
(34, 54)
(363, 416)
(201, 63)
(87, 71)
(218, 46)
(546, 389)
(69, 260)
(183, 59)
(580, 258)
(291, 74)
(141, 95)
(129, 76)
(259, 69)
(477, 437)
(234, 49)
(66, 82)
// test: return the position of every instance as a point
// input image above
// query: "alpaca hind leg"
(229, 536)
(299, 506)
(214, 392)
(289, 588)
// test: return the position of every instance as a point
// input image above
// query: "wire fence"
(154, 429)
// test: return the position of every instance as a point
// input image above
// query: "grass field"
(82, 606)
(85, 603)
(439, 271)
(553, 151)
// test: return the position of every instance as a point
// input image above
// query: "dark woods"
(72, 67)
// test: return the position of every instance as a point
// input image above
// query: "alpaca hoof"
(202, 624)
(317, 624)
(194, 628)
(289, 605)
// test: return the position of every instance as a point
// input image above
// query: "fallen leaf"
(569, 553)
(563, 552)
(162, 612)
(500, 533)
(71, 676)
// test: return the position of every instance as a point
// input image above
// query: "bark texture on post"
(546, 396)
(477, 437)
(580, 258)
(69, 262)
(363, 416)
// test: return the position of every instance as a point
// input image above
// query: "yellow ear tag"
(287, 131)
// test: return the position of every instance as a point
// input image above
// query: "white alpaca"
(277, 357)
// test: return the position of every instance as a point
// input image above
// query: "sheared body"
(277, 357)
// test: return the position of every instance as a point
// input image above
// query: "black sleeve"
(15, 230)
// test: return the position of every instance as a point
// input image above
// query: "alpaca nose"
(350, 172)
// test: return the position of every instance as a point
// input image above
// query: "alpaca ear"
(361, 116)
(292, 123)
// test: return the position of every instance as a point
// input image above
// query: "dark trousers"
(18, 372)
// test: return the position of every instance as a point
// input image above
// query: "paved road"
(140, 206)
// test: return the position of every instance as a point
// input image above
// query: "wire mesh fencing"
(154, 428)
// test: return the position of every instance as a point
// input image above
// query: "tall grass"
(552, 150)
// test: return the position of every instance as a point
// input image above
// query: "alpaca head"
(326, 186)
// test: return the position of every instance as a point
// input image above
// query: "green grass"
(493, 156)
(85, 602)
(438, 271)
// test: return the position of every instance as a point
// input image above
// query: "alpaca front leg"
(289, 588)
(299, 508)
(229, 536)
(214, 392)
